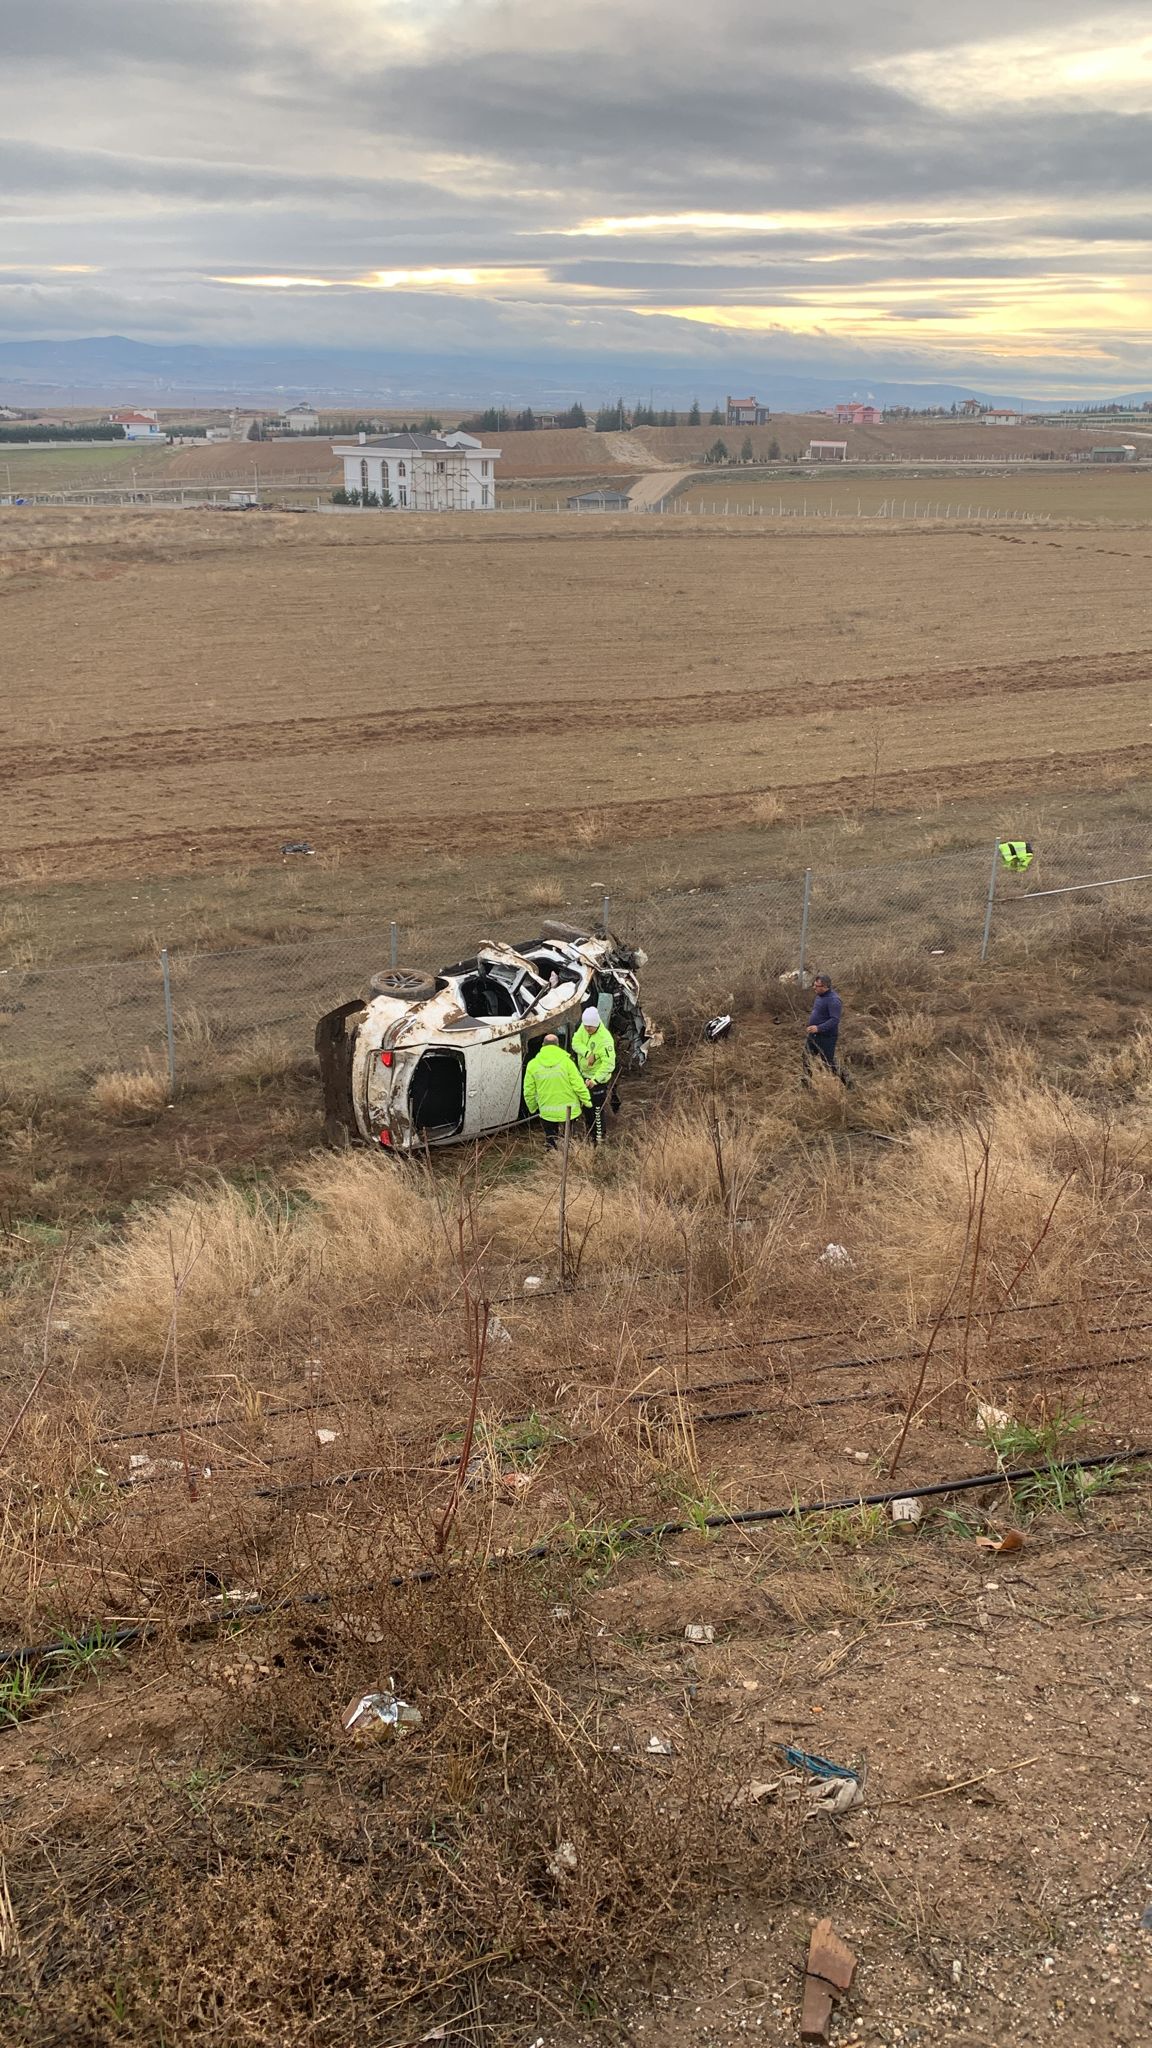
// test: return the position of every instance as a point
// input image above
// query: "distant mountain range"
(112, 369)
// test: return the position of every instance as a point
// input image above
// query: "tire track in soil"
(478, 719)
(203, 849)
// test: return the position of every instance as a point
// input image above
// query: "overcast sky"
(913, 188)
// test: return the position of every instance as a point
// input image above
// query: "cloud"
(535, 169)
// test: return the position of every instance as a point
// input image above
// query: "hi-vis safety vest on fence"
(1016, 854)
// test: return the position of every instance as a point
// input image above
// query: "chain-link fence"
(202, 1014)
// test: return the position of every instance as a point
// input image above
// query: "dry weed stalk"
(937, 1326)
(476, 1319)
(977, 1211)
(46, 1361)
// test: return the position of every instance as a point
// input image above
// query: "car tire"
(404, 984)
(551, 928)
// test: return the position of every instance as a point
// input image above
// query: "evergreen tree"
(715, 417)
(773, 450)
(694, 413)
(746, 454)
(718, 452)
(525, 422)
(612, 419)
(576, 416)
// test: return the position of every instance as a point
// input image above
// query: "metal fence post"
(604, 908)
(990, 902)
(394, 947)
(804, 921)
(168, 1022)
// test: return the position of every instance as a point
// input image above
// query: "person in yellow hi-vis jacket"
(554, 1088)
(594, 1051)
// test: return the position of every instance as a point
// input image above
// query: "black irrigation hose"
(641, 1532)
(879, 1393)
(759, 1379)
(134, 1436)
(697, 1421)
(756, 1414)
(130, 1436)
(1015, 1308)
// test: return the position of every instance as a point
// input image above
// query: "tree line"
(608, 419)
(93, 433)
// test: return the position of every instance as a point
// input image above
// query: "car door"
(494, 1083)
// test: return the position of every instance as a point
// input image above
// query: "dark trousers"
(821, 1045)
(594, 1117)
(551, 1133)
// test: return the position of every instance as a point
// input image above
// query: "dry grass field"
(191, 689)
(279, 1429)
(906, 440)
(1110, 496)
(109, 465)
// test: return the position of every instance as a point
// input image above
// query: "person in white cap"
(594, 1051)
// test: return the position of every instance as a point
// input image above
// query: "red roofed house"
(859, 415)
(744, 412)
(138, 426)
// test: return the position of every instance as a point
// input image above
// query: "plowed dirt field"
(188, 689)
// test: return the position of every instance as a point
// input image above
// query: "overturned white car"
(438, 1059)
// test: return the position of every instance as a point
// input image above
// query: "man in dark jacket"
(823, 1030)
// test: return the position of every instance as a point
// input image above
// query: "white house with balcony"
(138, 426)
(421, 472)
(301, 419)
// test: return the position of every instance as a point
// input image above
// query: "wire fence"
(197, 1016)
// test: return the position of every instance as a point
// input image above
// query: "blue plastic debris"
(816, 1766)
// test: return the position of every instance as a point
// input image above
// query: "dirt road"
(649, 491)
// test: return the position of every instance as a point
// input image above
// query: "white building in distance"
(301, 419)
(138, 426)
(421, 472)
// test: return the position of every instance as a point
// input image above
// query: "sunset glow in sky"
(908, 192)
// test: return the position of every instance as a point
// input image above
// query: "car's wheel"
(403, 984)
(553, 929)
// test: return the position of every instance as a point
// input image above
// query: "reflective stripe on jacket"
(594, 1053)
(553, 1085)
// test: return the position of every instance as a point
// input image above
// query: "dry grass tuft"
(548, 893)
(592, 830)
(1126, 1066)
(767, 809)
(351, 1239)
(262, 1057)
(123, 1097)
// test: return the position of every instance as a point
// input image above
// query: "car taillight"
(385, 1059)
(385, 1137)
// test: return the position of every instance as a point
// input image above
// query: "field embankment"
(243, 1405)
